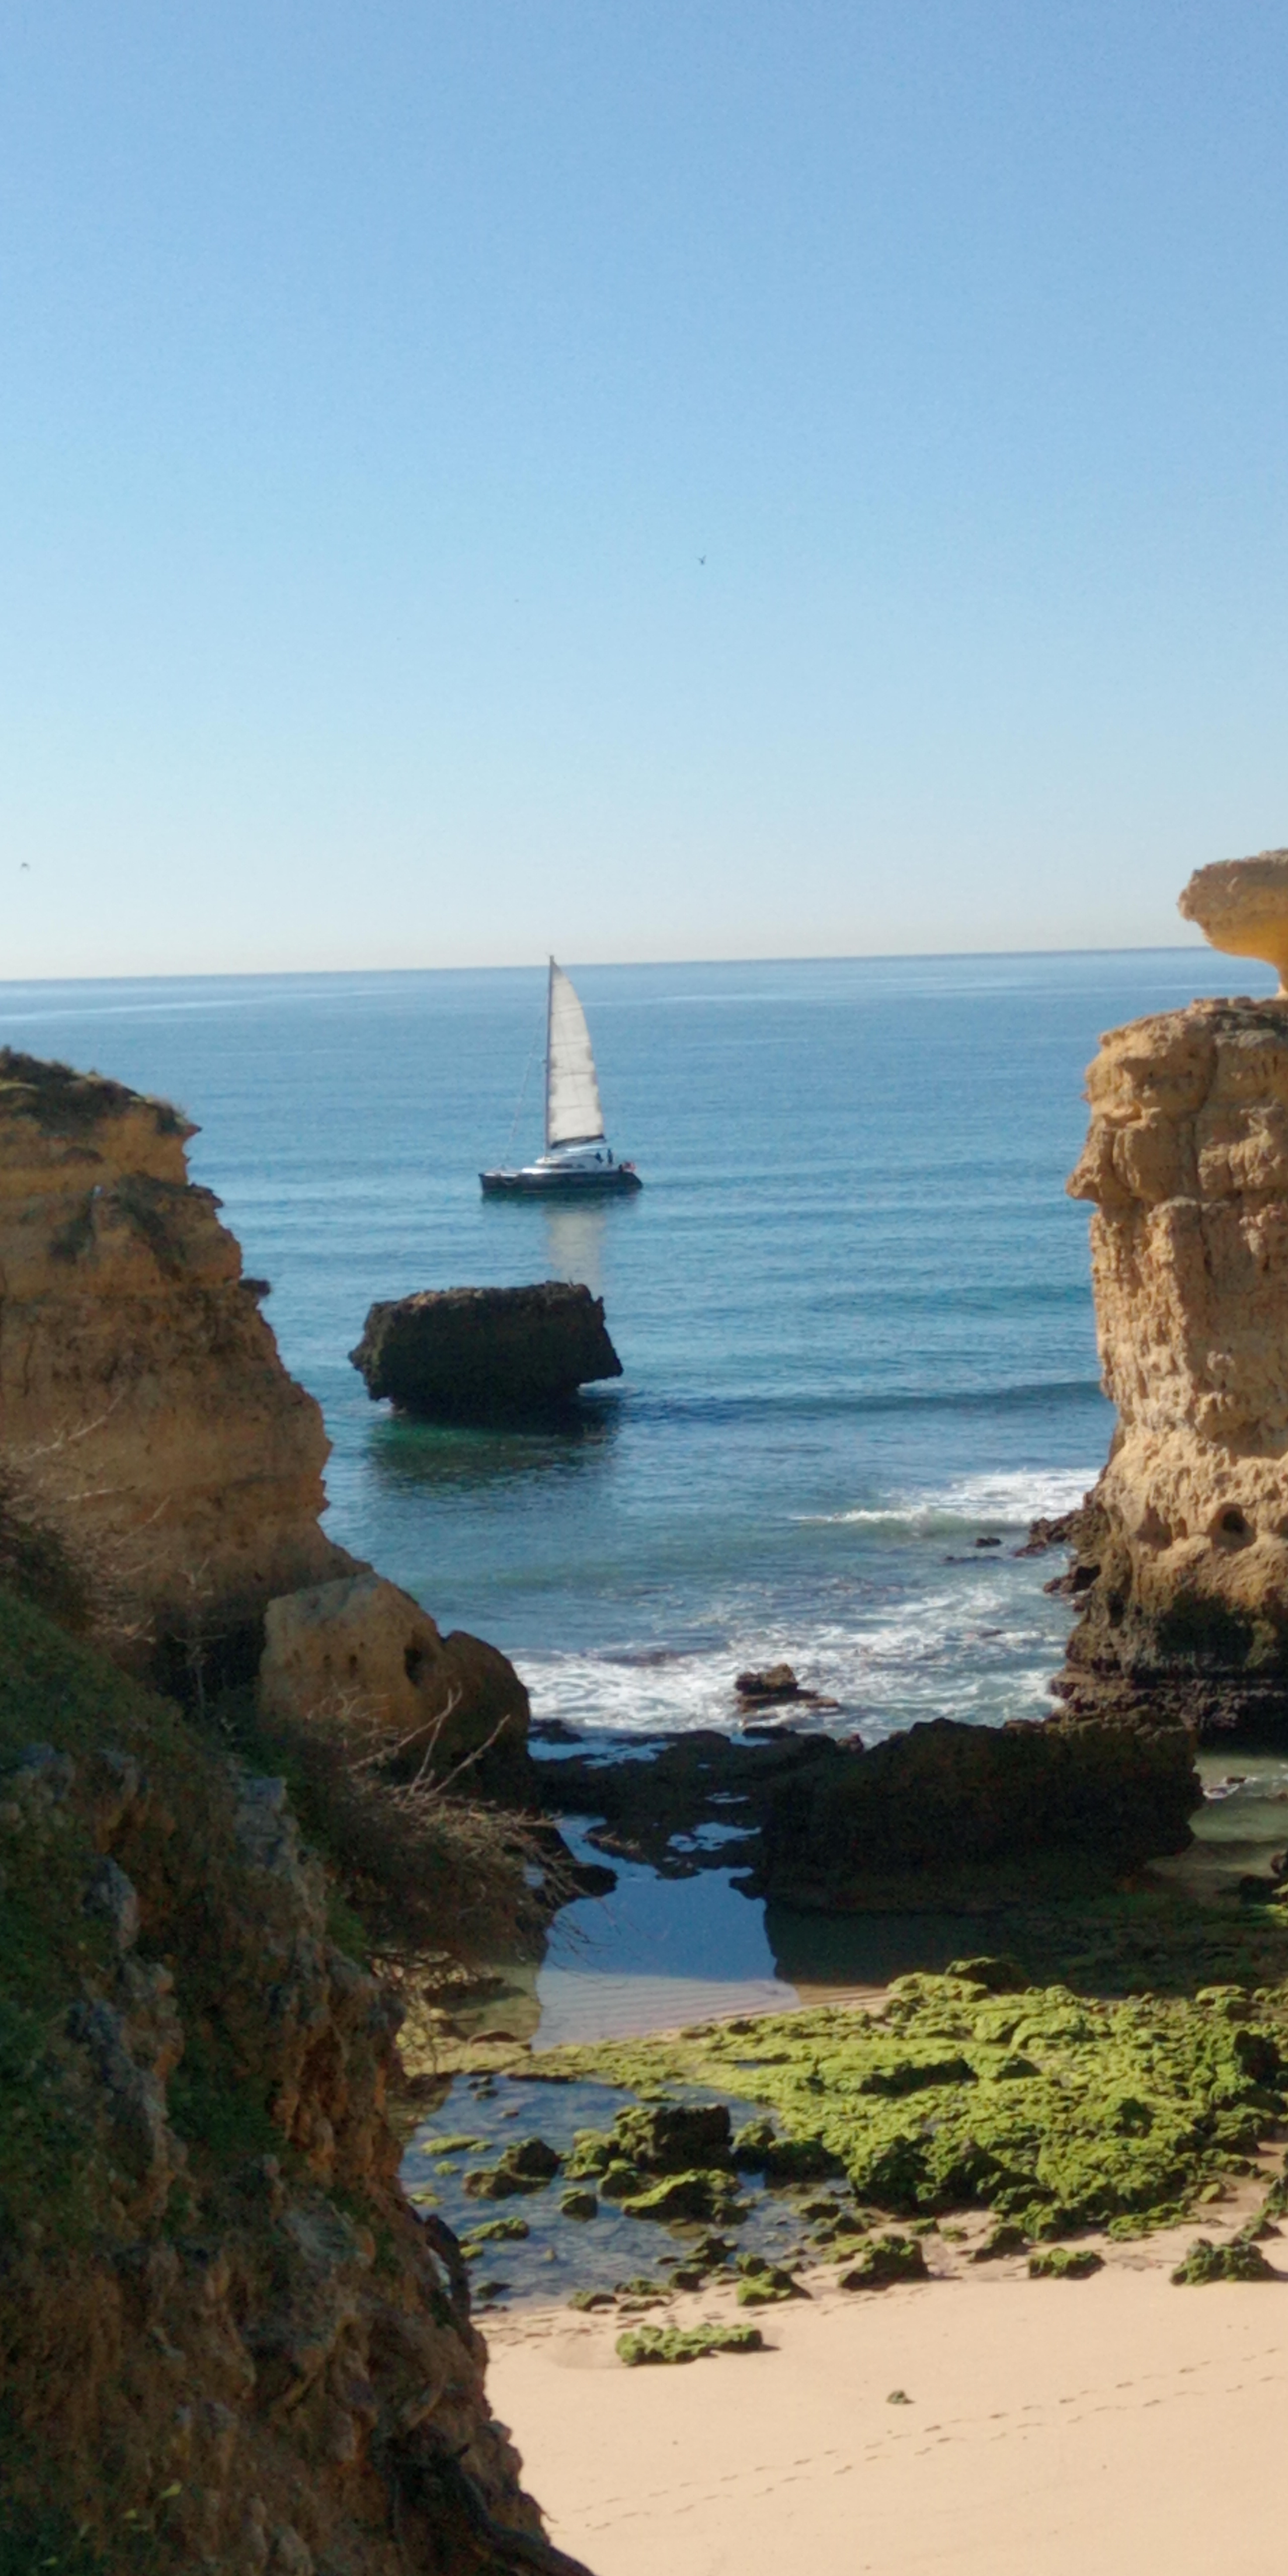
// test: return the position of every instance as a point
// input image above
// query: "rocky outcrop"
(482, 1354)
(1241, 905)
(142, 1398)
(148, 1424)
(360, 1643)
(945, 1816)
(1181, 1574)
(950, 1815)
(224, 2333)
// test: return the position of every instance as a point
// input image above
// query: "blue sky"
(653, 481)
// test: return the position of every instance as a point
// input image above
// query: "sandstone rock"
(1241, 906)
(362, 1642)
(1182, 1550)
(473, 1354)
(143, 1400)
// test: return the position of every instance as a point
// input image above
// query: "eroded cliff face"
(226, 2340)
(1182, 1569)
(142, 1398)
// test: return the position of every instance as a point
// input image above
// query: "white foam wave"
(981, 1647)
(1008, 1500)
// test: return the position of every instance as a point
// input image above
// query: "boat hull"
(607, 1181)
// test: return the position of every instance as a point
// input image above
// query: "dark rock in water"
(483, 1354)
(947, 1810)
(673, 2137)
(1046, 1533)
(526, 2166)
(778, 1681)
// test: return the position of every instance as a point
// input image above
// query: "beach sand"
(1055, 2428)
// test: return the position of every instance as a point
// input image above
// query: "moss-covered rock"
(1239, 2261)
(685, 2343)
(764, 2284)
(1128, 2107)
(526, 2166)
(1065, 2263)
(702, 2197)
(884, 2260)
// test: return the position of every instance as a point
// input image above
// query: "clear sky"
(642, 478)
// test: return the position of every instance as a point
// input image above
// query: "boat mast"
(550, 1004)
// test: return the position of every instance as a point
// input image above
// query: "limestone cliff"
(146, 1417)
(141, 1391)
(1182, 1569)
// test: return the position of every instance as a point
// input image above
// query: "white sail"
(573, 1113)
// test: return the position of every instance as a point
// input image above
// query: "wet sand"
(1054, 2428)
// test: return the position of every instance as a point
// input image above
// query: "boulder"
(362, 1642)
(483, 1354)
(952, 1814)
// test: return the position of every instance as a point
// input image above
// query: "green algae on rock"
(885, 2260)
(1065, 2263)
(685, 2343)
(526, 2166)
(707, 2198)
(1059, 2111)
(1206, 2262)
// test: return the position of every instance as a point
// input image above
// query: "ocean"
(853, 1312)
(851, 1301)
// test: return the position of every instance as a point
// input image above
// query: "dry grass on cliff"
(431, 1872)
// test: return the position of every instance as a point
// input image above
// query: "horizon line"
(825, 957)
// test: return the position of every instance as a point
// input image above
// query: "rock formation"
(947, 1816)
(950, 1815)
(143, 1403)
(361, 1641)
(1241, 905)
(478, 1354)
(1182, 1551)
(224, 2333)
(147, 1419)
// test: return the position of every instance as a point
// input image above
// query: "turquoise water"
(851, 1300)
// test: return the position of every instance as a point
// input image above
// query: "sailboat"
(577, 1157)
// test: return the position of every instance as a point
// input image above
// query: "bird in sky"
(702, 558)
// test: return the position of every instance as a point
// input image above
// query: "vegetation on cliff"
(225, 2338)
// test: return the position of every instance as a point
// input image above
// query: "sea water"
(851, 1303)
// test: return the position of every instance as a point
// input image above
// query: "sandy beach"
(1052, 2428)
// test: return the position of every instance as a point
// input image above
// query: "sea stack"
(1182, 1548)
(485, 1354)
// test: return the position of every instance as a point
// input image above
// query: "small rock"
(1065, 2263)
(776, 1682)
